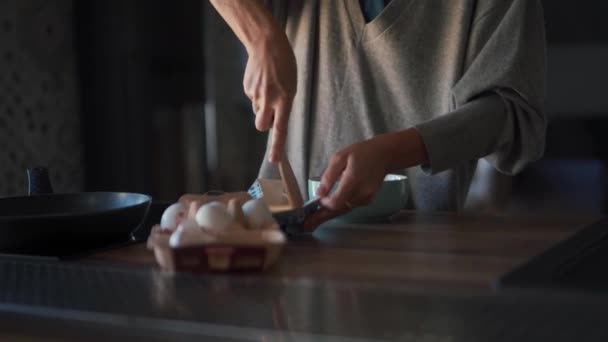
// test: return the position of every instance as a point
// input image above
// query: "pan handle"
(38, 181)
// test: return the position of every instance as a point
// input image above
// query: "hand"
(271, 75)
(270, 83)
(361, 169)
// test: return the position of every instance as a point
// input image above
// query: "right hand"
(270, 82)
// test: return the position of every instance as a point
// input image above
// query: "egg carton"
(214, 257)
(290, 219)
(271, 191)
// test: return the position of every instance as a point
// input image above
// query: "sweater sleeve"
(498, 102)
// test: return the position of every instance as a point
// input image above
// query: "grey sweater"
(467, 74)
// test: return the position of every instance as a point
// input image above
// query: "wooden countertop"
(464, 249)
(417, 277)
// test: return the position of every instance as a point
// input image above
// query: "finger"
(251, 81)
(249, 93)
(345, 193)
(279, 131)
(334, 170)
(363, 196)
(319, 217)
(255, 107)
(248, 88)
(255, 102)
(263, 118)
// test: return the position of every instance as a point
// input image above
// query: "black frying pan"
(63, 224)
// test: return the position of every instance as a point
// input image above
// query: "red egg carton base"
(211, 258)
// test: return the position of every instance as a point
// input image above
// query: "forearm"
(403, 149)
(471, 132)
(270, 80)
(251, 21)
(475, 130)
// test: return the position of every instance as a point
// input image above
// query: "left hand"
(361, 168)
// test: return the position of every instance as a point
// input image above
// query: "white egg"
(213, 216)
(189, 224)
(184, 237)
(258, 214)
(173, 216)
(273, 236)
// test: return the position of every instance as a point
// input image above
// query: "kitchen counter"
(418, 277)
(464, 250)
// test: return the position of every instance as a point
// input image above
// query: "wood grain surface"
(440, 249)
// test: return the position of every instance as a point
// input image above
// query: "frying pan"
(50, 224)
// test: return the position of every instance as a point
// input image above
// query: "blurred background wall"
(573, 174)
(163, 107)
(40, 115)
(142, 94)
(147, 96)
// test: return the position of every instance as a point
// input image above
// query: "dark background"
(159, 104)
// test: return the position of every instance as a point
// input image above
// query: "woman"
(435, 84)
